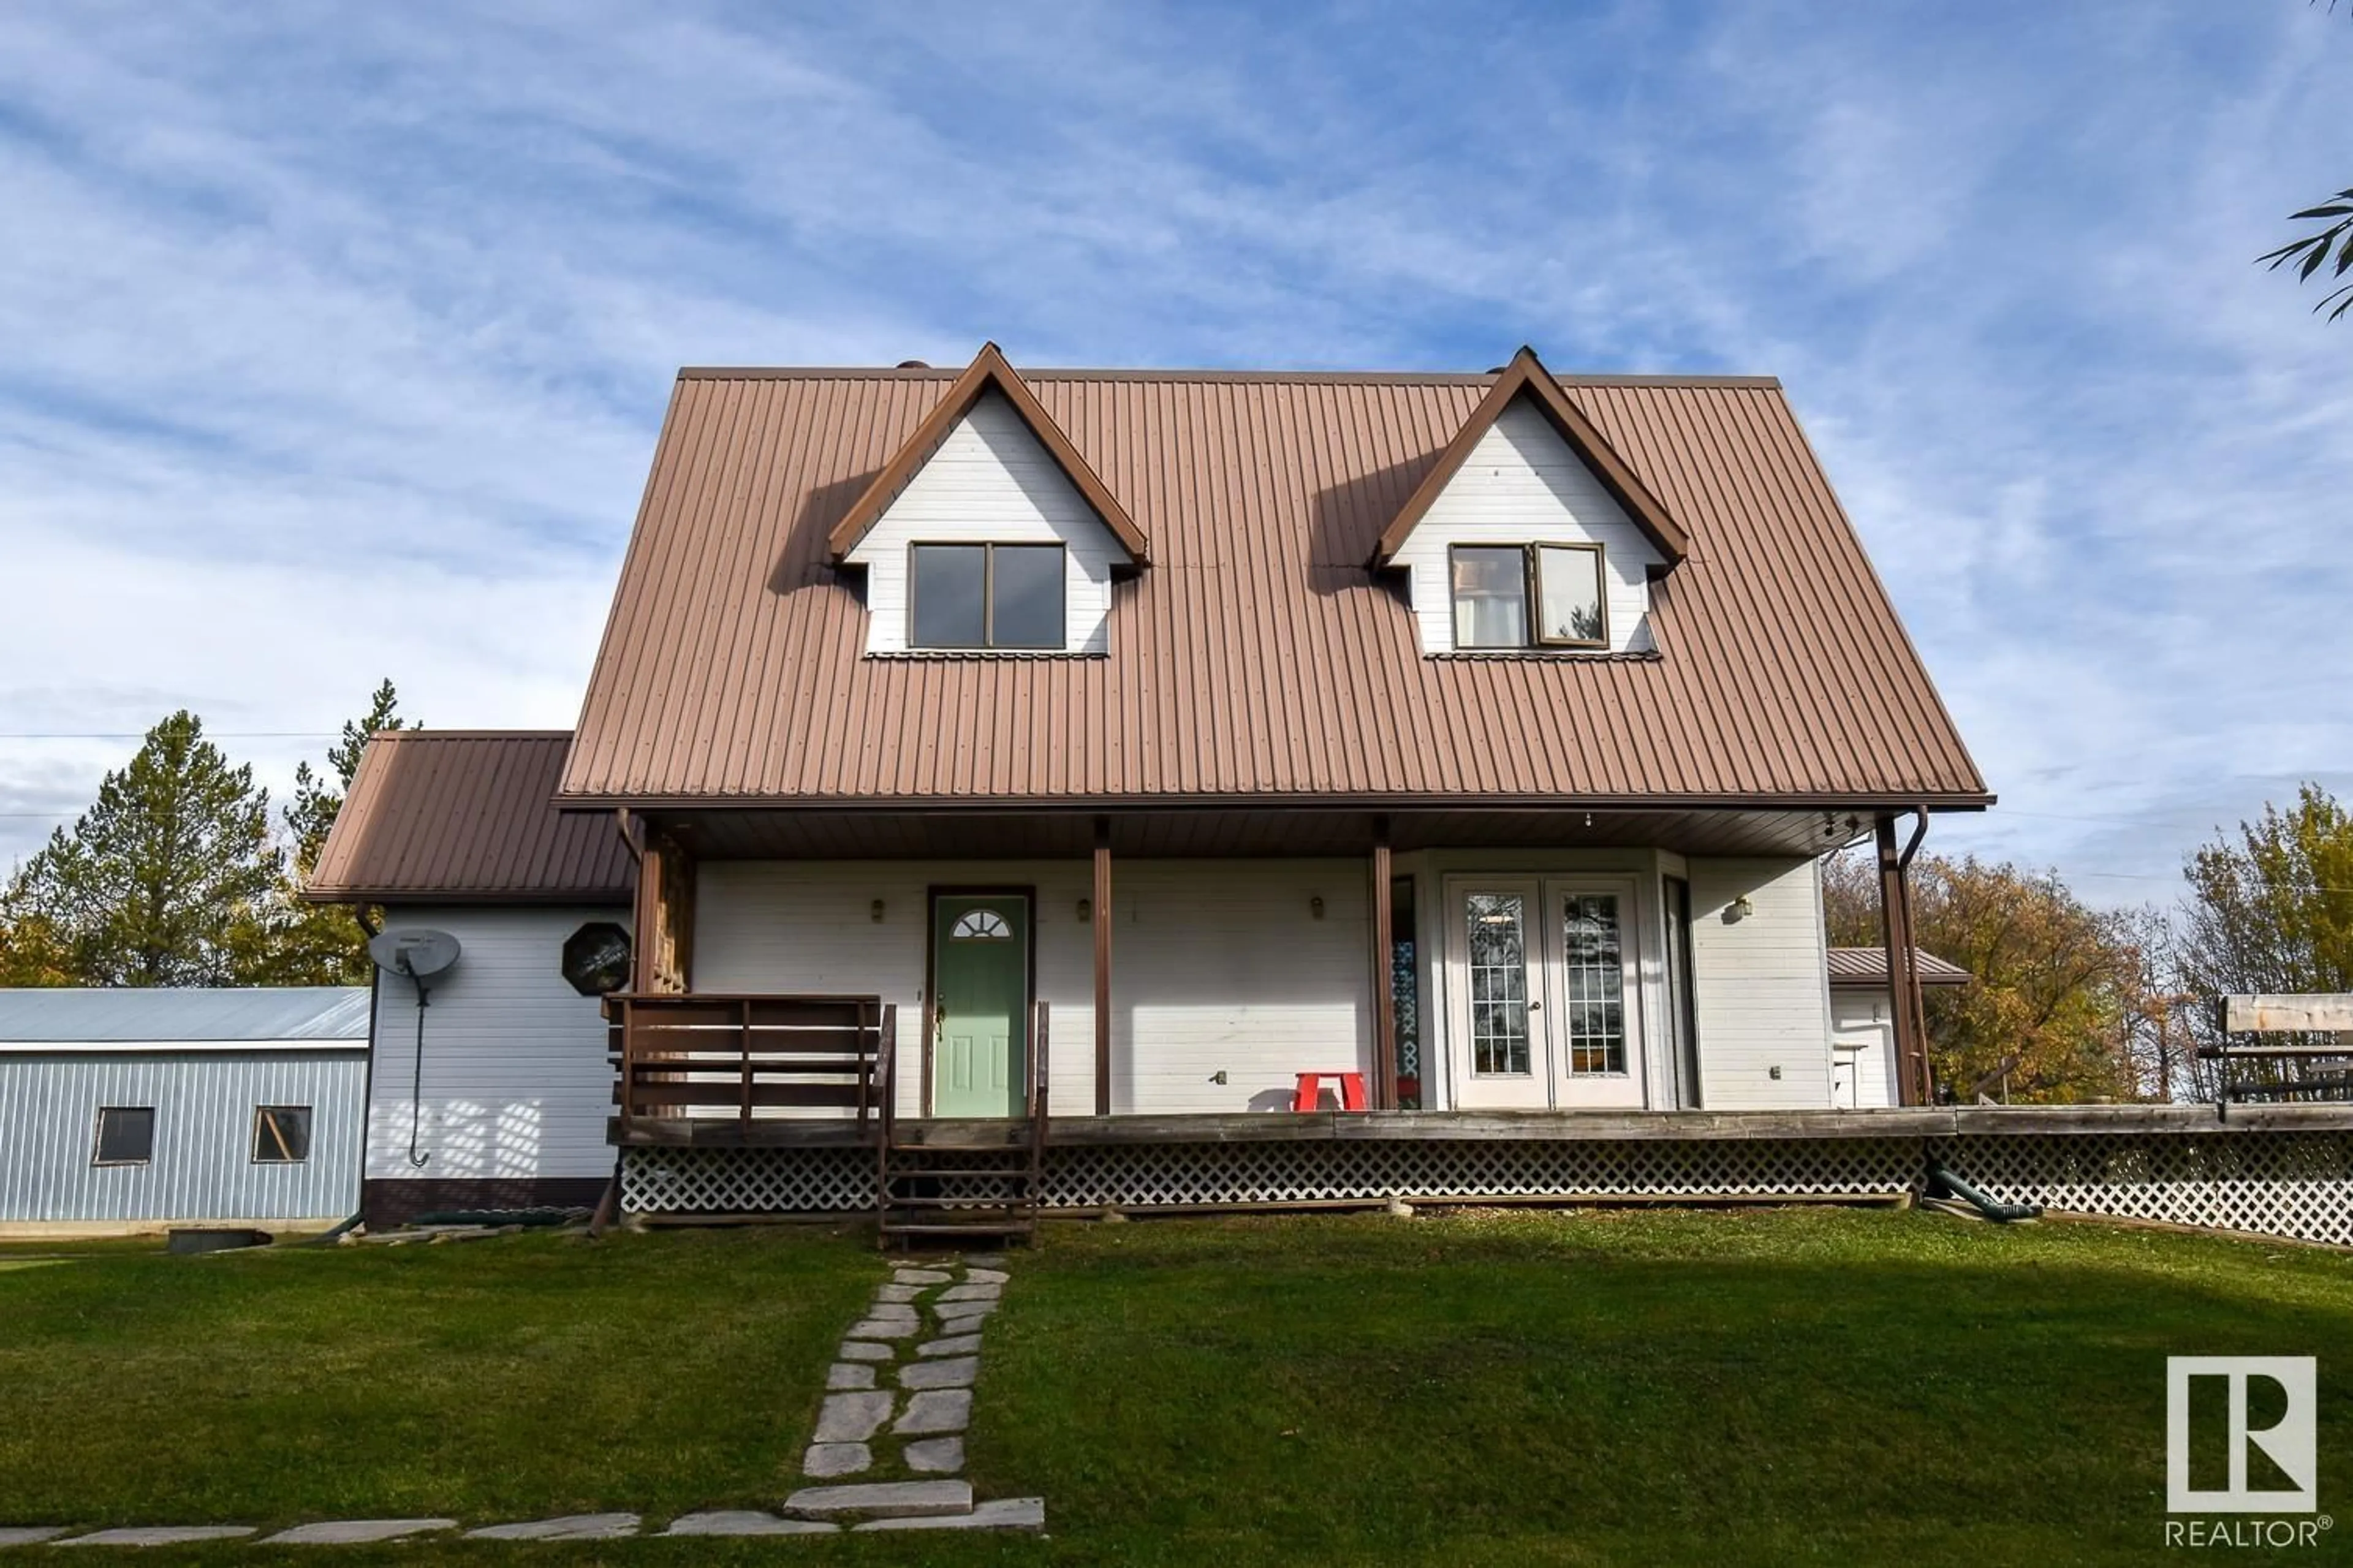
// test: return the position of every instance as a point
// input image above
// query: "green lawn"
(1626, 1387)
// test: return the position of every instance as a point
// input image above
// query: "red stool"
(1308, 1094)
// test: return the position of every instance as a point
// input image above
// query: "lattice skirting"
(2297, 1184)
(1148, 1176)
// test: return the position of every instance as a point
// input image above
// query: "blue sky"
(333, 346)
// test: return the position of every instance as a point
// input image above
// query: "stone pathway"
(897, 1401)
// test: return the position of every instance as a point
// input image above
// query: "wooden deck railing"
(701, 1055)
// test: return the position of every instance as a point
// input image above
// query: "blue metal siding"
(203, 1165)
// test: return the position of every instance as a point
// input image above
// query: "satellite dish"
(414, 952)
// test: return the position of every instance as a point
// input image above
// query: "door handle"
(1535, 1006)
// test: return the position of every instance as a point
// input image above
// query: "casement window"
(986, 596)
(1528, 595)
(281, 1134)
(126, 1135)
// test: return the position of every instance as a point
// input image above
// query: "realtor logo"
(2279, 1391)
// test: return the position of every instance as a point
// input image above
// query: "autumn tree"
(2269, 909)
(166, 880)
(2060, 989)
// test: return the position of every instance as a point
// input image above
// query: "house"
(124, 1111)
(1133, 744)
(493, 1093)
(1865, 1066)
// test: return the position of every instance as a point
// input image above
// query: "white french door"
(1547, 1000)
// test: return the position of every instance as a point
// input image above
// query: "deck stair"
(965, 1180)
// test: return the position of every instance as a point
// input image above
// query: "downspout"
(1908, 996)
(1992, 1208)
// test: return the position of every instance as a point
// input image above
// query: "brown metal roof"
(1866, 968)
(1258, 655)
(463, 816)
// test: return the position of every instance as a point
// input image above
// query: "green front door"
(980, 994)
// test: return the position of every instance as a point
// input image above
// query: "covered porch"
(1148, 963)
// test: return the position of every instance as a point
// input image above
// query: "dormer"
(1530, 535)
(988, 534)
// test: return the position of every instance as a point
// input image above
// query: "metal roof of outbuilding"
(158, 1016)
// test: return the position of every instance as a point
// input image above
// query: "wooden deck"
(1446, 1126)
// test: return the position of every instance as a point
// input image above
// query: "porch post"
(645, 920)
(1385, 1095)
(1903, 989)
(1102, 966)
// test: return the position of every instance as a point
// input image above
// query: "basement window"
(986, 596)
(126, 1135)
(281, 1134)
(1528, 595)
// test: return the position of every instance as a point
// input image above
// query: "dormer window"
(986, 596)
(1528, 595)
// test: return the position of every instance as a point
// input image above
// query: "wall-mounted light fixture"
(1086, 910)
(1315, 906)
(874, 912)
(1741, 909)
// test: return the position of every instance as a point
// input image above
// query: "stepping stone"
(960, 1344)
(986, 1276)
(29, 1534)
(859, 1350)
(162, 1536)
(828, 1460)
(984, 1260)
(970, 1293)
(851, 1417)
(948, 1372)
(1005, 1513)
(843, 1375)
(888, 1293)
(936, 1455)
(921, 1276)
(570, 1527)
(873, 1328)
(355, 1531)
(964, 1323)
(745, 1521)
(893, 1312)
(883, 1500)
(940, 1410)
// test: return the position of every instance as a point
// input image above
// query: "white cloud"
(335, 348)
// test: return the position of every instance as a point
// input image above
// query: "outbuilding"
(130, 1110)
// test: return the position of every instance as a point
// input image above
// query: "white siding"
(516, 1085)
(1860, 1025)
(1760, 984)
(1215, 965)
(1523, 484)
(202, 1166)
(990, 481)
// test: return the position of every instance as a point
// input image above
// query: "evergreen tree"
(314, 945)
(168, 880)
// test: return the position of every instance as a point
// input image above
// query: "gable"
(990, 481)
(987, 374)
(1522, 484)
(1525, 379)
